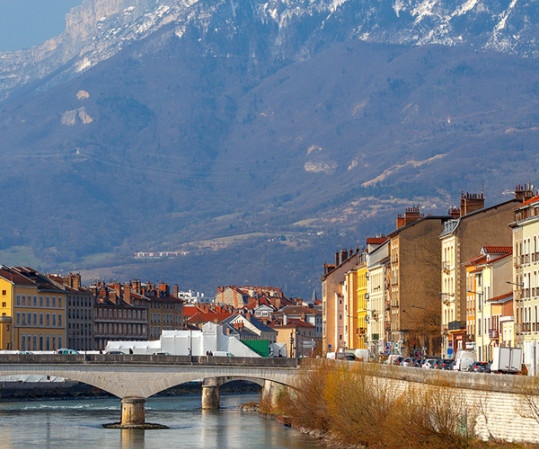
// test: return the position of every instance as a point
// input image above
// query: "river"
(77, 424)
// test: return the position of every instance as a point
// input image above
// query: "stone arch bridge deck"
(133, 378)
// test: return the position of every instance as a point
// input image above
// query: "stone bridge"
(133, 378)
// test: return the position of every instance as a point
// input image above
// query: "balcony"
(457, 325)
(526, 327)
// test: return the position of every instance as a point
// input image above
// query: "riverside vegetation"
(352, 409)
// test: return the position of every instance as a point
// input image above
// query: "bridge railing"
(139, 359)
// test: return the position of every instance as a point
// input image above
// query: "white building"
(187, 342)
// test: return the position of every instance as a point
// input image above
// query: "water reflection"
(132, 439)
(68, 424)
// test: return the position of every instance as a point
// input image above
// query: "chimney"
(337, 259)
(471, 202)
(454, 212)
(176, 290)
(344, 255)
(411, 214)
(164, 289)
(285, 319)
(76, 281)
(127, 293)
(525, 192)
(117, 288)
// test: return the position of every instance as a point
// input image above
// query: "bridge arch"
(133, 379)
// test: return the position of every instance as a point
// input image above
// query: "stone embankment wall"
(501, 404)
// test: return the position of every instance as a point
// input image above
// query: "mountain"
(254, 138)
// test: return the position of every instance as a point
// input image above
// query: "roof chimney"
(471, 202)
(127, 293)
(524, 192)
(411, 214)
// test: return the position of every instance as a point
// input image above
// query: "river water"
(77, 424)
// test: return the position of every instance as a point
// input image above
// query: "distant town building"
(32, 311)
(79, 312)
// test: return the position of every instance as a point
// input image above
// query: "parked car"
(430, 364)
(407, 361)
(480, 367)
(447, 364)
(66, 351)
(398, 360)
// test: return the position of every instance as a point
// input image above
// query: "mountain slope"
(256, 137)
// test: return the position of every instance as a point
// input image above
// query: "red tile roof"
(376, 240)
(498, 249)
(504, 296)
(14, 277)
(530, 201)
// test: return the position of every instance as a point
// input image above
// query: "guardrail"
(139, 359)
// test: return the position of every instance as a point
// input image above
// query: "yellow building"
(487, 277)
(355, 306)
(32, 311)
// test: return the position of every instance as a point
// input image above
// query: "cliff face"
(289, 29)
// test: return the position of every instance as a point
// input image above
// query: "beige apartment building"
(526, 280)
(414, 282)
(471, 227)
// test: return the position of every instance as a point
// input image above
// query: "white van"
(464, 360)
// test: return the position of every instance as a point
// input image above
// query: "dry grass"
(356, 408)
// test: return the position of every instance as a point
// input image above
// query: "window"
(59, 341)
(35, 321)
(47, 301)
(41, 301)
(4, 293)
(48, 342)
(23, 343)
(41, 342)
(23, 300)
(18, 300)
(3, 304)
(41, 323)
(54, 301)
(35, 301)
(59, 302)
(54, 319)
(29, 319)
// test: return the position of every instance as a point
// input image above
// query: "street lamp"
(424, 327)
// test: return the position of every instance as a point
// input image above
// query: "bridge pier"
(211, 396)
(133, 412)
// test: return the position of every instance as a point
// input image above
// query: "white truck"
(506, 360)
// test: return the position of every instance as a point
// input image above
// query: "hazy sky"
(24, 23)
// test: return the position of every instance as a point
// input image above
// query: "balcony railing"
(526, 327)
(457, 325)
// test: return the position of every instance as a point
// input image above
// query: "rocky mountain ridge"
(295, 29)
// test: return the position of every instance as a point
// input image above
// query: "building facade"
(33, 310)
(471, 227)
